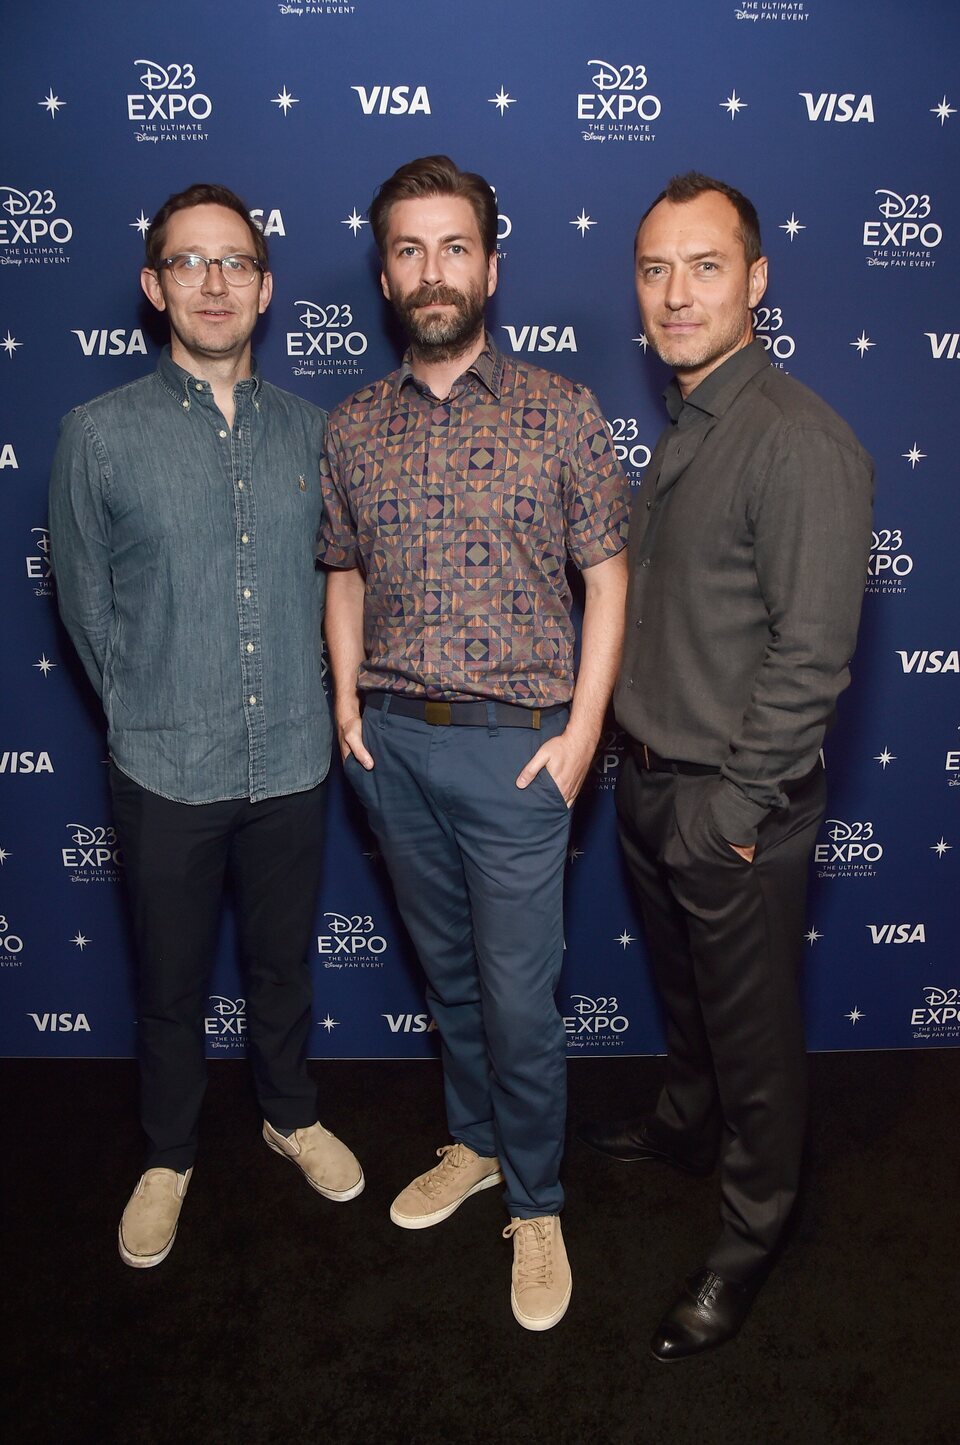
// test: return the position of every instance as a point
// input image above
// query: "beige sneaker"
(329, 1166)
(149, 1223)
(541, 1283)
(433, 1196)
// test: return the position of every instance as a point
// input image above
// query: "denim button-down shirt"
(183, 552)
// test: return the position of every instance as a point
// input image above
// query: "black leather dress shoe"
(630, 1141)
(709, 1312)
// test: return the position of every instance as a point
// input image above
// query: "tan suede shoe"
(433, 1196)
(541, 1283)
(149, 1224)
(328, 1165)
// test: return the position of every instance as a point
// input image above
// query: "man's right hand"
(350, 734)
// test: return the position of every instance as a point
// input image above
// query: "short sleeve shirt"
(462, 514)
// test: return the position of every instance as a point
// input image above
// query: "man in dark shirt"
(184, 510)
(458, 488)
(748, 548)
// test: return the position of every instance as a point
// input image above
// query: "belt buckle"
(438, 713)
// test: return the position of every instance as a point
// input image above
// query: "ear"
(385, 285)
(150, 285)
(492, 273)
(266, 292)
(757, 283)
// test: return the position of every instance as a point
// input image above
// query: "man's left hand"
(566, 759)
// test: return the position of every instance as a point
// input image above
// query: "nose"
(677, 294)
(431, 271)
(214, 283)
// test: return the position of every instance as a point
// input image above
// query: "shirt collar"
(717, 392)
(488, 367)
(182, 386)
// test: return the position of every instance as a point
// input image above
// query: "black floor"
(282, 1317)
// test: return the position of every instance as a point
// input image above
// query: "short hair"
(201, 195)
(692, 184)
(435, 176)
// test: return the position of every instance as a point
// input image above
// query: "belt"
(646, 758)
(461, 714)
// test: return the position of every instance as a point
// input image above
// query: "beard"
(442, 337)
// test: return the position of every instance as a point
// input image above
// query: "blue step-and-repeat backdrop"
(840, 118)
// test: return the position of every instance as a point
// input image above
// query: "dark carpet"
(282, 1317)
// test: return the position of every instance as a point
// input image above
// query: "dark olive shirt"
(749, 542)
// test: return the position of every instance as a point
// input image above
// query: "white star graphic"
(45, 665)
(583, 222)
(80, 941)
(354, 221)
(812, 936)
(4, 855)
(733, 103)
(625, 939)
(285, 100)
(142, 223)
(943, 110)
(863, 344)
(792, 226)
(10, 343)
(52, 103)
(574, 854)
(329, 1024)
(854, 1015)
(913, 456)
(941, 847)
(641, 341)
(884, 758)
(501, 100)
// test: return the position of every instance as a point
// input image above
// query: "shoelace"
(452, 1157)
(534, 1255)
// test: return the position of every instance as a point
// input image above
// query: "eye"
(456, 249)
(650, 273)
(708, 266)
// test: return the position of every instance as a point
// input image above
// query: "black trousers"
(178, 857)
(725, 938)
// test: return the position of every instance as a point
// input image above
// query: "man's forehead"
(709, 219)
(423, 215)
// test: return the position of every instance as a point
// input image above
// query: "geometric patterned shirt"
(462, 514)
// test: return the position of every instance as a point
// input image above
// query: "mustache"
(434, 295)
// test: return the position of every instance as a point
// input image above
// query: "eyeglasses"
(189, 269)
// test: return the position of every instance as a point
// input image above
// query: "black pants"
(177, 857)
(725, 937)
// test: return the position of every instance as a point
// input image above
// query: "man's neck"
(222, 373)
(439, 376)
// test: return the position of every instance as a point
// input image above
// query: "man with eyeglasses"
(184, 510)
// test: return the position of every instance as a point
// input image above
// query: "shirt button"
(240, 486)
(247, 593)
(198, 385)
(645, 562)
(250, 647)
(649, 505)
(185, 405)
(244, 539)
(252, 700)
(222, 432)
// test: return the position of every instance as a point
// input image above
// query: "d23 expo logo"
(619, 107)
(938, 1021)
(329, 343)
(890, 564)
(95, 857)
(852, 850)
(633, 454)
(31, 232)
(768, 326)
(351, 941)
(11, 946)
(39, 570)
(225, 1024)
(595, 1023)
(906, 235)
(607, 759)
(168, 107)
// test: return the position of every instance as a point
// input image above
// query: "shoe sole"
(144, 1261)
(339, 1196)
(547, 1323)
(424, 1221)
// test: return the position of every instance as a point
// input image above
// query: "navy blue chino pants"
(478, 865)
